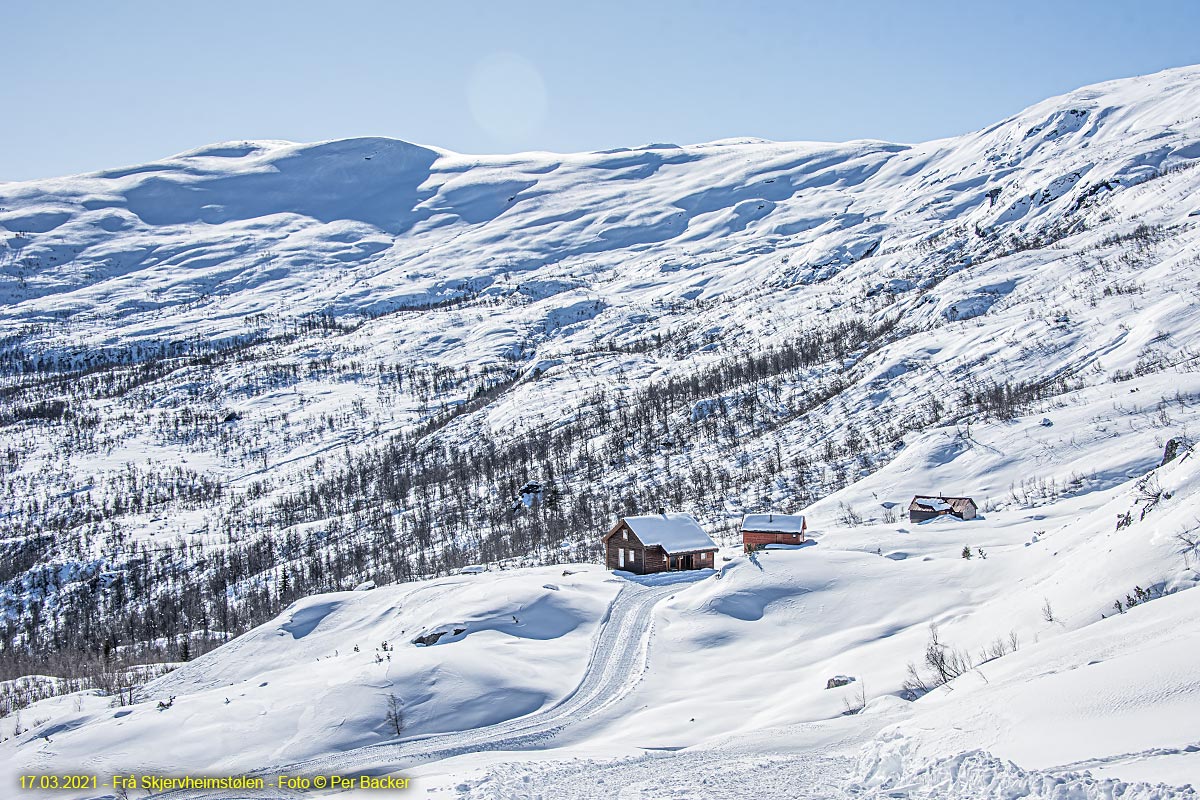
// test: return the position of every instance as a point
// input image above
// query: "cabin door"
(685, 562)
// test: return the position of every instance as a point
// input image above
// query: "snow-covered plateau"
(307, 450)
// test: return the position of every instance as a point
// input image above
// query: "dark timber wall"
(753, 540)
(643, 560)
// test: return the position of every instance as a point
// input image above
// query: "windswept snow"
(316, 679)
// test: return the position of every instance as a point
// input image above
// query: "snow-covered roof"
(773, 523)
(958, 504)
(675, 533)
(934, 504)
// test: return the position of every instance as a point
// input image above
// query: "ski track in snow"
(616, 665)
(1154, 752)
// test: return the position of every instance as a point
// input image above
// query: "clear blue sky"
(88, 85)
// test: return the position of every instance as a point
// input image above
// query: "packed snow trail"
(618, 660)
(733, 772)
(979, 775)
(691, 775)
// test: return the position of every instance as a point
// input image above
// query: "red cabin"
(760, 530)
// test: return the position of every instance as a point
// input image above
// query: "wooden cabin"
(658, 543)
(924, 507)
(760, 530)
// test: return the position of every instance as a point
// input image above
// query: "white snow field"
(1034, 288)
(713, 684)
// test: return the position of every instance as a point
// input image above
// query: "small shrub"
(943, 662)
(1150, 494)
(849, 517)
(1188, 543)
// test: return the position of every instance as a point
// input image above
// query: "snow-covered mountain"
(260, 370)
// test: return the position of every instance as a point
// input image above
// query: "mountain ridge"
(419, 204)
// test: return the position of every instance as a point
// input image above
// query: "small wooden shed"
(658, 543)
(760, 530)
(924, 507)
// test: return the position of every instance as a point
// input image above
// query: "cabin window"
(625, 535)
(620, 558)
(632, 556)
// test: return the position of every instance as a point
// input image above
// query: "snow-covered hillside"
(723, 675)
(260, 370)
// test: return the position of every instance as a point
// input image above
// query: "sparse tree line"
(410, 507)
